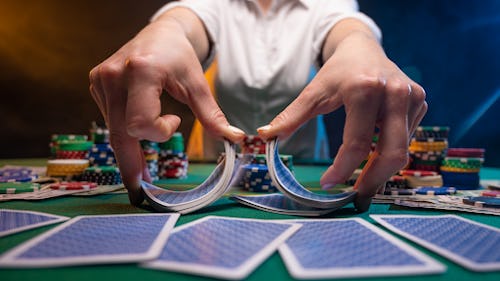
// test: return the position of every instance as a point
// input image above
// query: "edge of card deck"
(54, 219)
(297, 270)
(242, 270)
(463, 261)
(12, 257)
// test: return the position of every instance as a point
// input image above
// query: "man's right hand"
(127, 86)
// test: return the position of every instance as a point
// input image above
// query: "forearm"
(187, 22)
(344, 29)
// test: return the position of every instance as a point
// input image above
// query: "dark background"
(48, 47)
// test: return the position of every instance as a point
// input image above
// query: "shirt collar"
(303, 2)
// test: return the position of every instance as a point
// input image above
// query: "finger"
(391, 152)
(417, 101)
(97, 91)
(206, 109)
(418, 119)
(361, 115)
(143, 108)
(126, 148)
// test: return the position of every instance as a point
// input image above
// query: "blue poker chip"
(430, 190)
(461, 180)
(482, 201)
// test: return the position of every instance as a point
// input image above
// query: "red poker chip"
(466, 152)
(418, 173)
(491, 193)
(74, 185)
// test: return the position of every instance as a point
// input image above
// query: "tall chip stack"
(427, 148)
(256, 176)
(173, 161)
(460, 168)
(102, 161)
(101, 153)
(151, 152)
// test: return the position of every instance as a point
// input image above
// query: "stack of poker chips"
(101, 153)
(427, 148)
(256, 176)
(460, 168)
(69, 146)
(68, 169)
(419, 178)
(151, 154)
(173, 161)
(253, 145)
(103, 175)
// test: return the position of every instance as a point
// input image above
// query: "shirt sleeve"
(330, 13)
(208, 12)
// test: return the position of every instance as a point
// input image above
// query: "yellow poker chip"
(458, 170)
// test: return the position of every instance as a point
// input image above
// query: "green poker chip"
(18, 187)
(75, 145)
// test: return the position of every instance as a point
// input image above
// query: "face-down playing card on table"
(473, 245)
(222, 247)
(100, 239)
(12, 221)
(341, 248)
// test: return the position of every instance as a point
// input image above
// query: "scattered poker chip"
(18, 187)
(18, 178)
(74, 185)
(482, 201)
(491, 193)
(418, 173)
(399, 191)
(429, 190)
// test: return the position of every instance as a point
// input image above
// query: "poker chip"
(414, 181)
(431, 190)
(253, 144)
(102, 175)
(18, 187)
(256, 178)
(465, 152)
(432, 132)
(491, 193)
(99, 134)
(461, 180)
(482, 201)
(399, 191)
(174, 144)
(76, 185)
(66, 167)
(418, 173)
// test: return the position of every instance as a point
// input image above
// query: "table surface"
(272, 269)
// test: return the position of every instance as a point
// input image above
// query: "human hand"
(375, 93)
(127, 88)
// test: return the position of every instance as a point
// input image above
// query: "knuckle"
(109, 71)
(398, 88)
(137, 125)
(366, 87)
(358, 146)
(397, 158)
(139, 62)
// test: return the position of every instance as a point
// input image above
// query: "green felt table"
(272, 269)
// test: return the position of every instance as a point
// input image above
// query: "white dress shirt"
(264, 60)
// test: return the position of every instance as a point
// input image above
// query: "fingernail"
(362, 204)
(328, 186)
(264, 128)
(237, 131)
